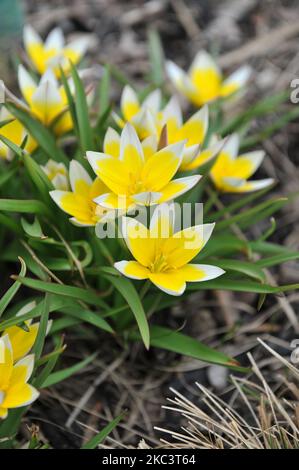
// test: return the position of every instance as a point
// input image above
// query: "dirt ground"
(239, 31)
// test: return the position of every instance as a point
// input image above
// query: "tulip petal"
(195, 129)
(170, 282)
(153, 101)
(254, 158)
(26, 83)
(179, 78)
(112, 142)
(79, 178)
(178, 187)
(247, 186)
(19, 395)
(137, 236)
(22, 370)
(6, 362)
(172, 115)
(204, 156)
(131, 152)
(186, 244)
(200, 272)
(132, 269)
(163, 221)
(162, 166)
(21, 340)
(55, 40)
(205, 76)
(77, 205)
(146, 198)
(112, 171)
(46, 101)
(3, 413)
(129, 103)
(34, 47)
(149, 146)
(76, 49)
(144, 123)
(236, 81)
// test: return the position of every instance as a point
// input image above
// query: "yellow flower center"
(159, 264)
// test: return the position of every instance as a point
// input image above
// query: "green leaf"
(34, 230)
(30, 206)
(64, 374)
(12, 146)
(42, 330)
(129, 293)
(258, 212)
(104, 91)
(7, 174)
(223, 283)
(101, 436)
(40, 133)
(9, 295)
(77, 293)
(84, 128)
(38, 177)
(174, 341)
(156, 57)
(50, 360)
(244, 267)
(71, 102)
(87, 316)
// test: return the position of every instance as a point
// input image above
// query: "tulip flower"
(15, 391)
(133, 179)
(79, 202)
(53, 53)
(23, 339)
(231, 172)
(204, 81)
(149, 121)
(162, 255)
(57, 174)
(15, 132)
(47, 101)
(141, 115)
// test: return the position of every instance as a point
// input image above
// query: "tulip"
(15, 391)
(204, 82)
(134, 179)
(57, 174)
(53, 53)
(231, 172)
(79, 202)
(162, 255)
(16, 133)
(47, 101)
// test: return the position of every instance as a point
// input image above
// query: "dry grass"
(267, 420)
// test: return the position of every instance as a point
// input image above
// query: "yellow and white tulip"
(53, 52)
(231, 172)
(142, 115)
(149, 120)
(22, 340)
(132, 177)
(79, 202)
(204, 82)
(162, 255)
(57, 174)
(15, 132)
(47, 100)
(15, 391)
